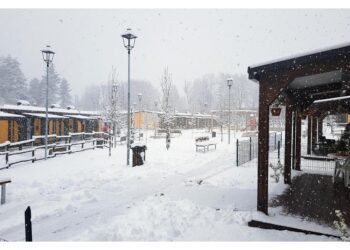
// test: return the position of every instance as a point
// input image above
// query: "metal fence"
(317, 164)
(247, 149)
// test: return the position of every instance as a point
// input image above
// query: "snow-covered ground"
(178, 195)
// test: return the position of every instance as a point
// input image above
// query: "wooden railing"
(65, 144)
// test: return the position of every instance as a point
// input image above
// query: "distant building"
(22, 121)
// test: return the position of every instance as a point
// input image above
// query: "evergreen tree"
(12, 80)
(54, 82)
(34, 91)
(64, 93)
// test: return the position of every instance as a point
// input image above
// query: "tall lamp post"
(229, 84)
(48, 58)
(139, 95)
(155, 116)
(129, 42)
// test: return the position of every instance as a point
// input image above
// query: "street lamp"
(129, 42)
(155, 116)
(205, 112)
(139, 95)
(48, 58)
(229, 84)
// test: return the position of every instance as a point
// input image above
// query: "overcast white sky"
(190, 42)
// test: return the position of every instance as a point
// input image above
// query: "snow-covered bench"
(121, 139)
(205, 146)
(3, 183)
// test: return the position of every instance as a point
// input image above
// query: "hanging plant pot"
(276, 111)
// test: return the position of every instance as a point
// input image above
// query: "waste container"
(213, 134)
(138, 154)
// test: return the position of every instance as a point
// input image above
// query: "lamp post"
(229, 84)
(205, 113)
(48, 58)
(155, 117)
(129, 42)
(139, 95)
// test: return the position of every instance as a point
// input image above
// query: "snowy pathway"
(177, 195)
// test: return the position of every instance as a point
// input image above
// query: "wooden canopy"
(306, 82)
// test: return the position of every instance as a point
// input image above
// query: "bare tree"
(165, 83)
(187, 90)
(111, 106)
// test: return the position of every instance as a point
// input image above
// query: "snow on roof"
(236, 111)
(138, 144)
(23, 102)
(55, 105)
(43, 109)
(332, 99)
(293, 56)
(43, 115)
(82, 117)
(91, 112)
(35, 108)
(8, 115)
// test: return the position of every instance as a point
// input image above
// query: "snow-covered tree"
(111, 104)
(165, 83)
(64, 93)
(12, 81)
(91, 98)
(54, 82)
(34, 91)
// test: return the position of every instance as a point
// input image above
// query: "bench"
(3, 183)
(202, 138)
(205, 146)
(121, 139)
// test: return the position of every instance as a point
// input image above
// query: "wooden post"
(28, 224)
(298, 143)
(237, 149)
(288, 141)
(250, 148)
(33, 153)
(320, 126)
(294, 139)
(314, 132)
(3, 194)
(309, 134)
(263, 156)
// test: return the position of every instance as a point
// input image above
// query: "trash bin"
(213, 134)
(138, 154)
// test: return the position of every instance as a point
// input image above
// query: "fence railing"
(247, 149)
(33, 149)
(317, 164)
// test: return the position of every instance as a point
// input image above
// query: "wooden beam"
(266, 225)
(309, 134)
(269, 90)
(314, 130)
(263, 154)
(294, 137)
(288, 140)
(298, 143)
